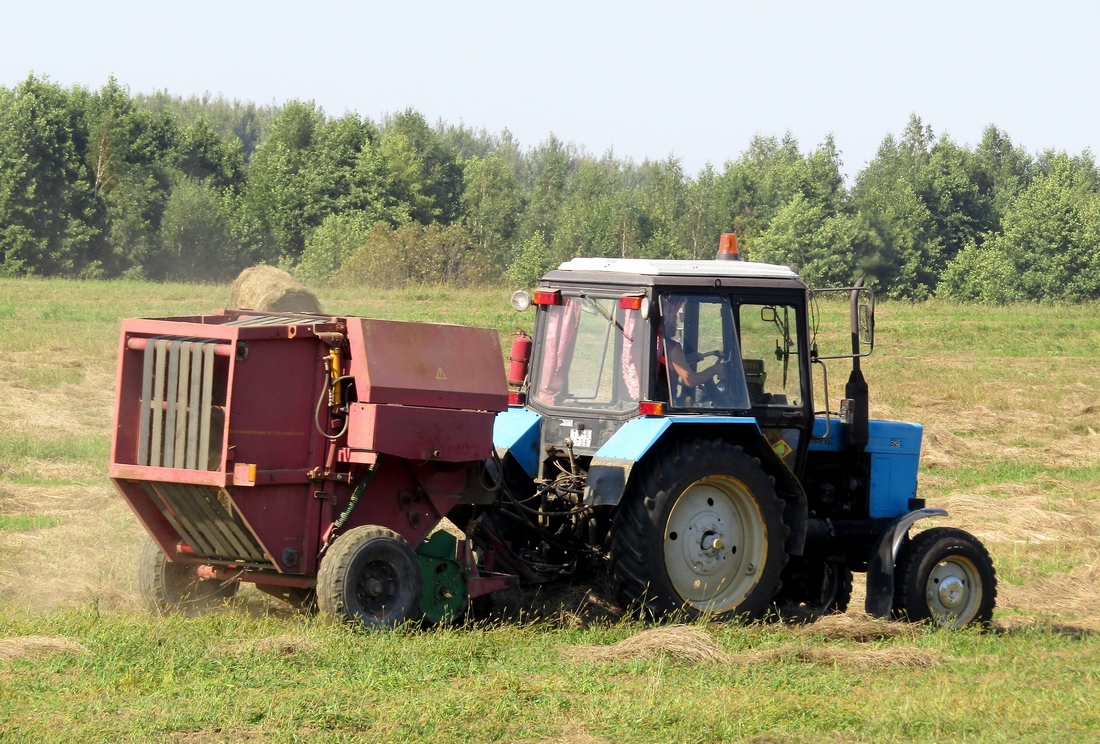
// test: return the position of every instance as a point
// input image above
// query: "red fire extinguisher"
(519, 359)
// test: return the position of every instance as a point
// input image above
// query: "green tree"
(1050, 245)
(338, 238)
(549, 166)
(534, 260)
(196, 244)
(203, 155)
(805, 235)
(423, 173)
(48, 215)
(491, 203)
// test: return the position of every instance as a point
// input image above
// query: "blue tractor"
(665, 428)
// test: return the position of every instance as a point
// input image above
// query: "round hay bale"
(268, 289)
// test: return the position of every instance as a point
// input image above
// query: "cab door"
(774, 358)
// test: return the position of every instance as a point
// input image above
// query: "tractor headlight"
(521, 300)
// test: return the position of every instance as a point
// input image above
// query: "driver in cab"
(679, 362)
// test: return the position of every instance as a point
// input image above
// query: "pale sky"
(649, 80)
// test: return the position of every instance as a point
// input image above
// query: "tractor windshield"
(591, 355)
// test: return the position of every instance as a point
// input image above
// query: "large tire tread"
(922, 554)
(637, 531)
(336, 592)
(167, 587)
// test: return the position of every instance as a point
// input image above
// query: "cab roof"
(644, 272)
(667, 267)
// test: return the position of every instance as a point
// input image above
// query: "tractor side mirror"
(866, 322)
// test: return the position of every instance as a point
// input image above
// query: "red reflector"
(651, 408)
(727, 247)
(630, 303)
(515, 398)
(545, 297)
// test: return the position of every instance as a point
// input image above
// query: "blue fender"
(609, 471)
(884, 557)
(516, 432)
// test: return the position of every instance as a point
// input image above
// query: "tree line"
(105, 184)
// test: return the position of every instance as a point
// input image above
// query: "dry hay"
(677, 642)
(858, 658)
(1074, 593)
(38, 647)
(216, 736)
(1018, 514)
(573, 733)
(942, 448)
(860, 628)
(268, 289)
(90, 555)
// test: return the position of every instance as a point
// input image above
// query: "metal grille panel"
(178, 379)
(203, 517)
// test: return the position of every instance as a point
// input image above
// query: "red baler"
(312, 455)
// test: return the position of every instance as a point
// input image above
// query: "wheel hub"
(372, 587)
(705, 544)
(952, 591)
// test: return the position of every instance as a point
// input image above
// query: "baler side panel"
(427, 364)
(274, 391)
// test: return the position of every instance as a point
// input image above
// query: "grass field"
(1010, 398)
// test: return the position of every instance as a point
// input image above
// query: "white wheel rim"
(715, 544)
(954, 591)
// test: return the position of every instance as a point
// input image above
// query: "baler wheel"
(701, 532)
(168, 587)
(371, 578)
(945, 575)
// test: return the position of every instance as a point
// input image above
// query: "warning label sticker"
(782, 448)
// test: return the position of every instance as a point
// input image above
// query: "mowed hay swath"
(268, 289)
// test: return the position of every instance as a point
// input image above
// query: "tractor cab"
(616, 339)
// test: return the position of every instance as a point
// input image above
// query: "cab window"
(698, 353)
(769, 348)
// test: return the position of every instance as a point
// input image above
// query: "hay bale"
(268, 289)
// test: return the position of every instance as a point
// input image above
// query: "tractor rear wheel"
(701, 532)
(371, 578)
(945, 575)
(167, 587)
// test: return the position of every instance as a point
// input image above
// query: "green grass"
(144, 678)
(23, 522)
(46, 445)
(1001, 472)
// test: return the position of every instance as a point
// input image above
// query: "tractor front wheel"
(168, 587)
(945, 575)
(371, 578)
(701, 532)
